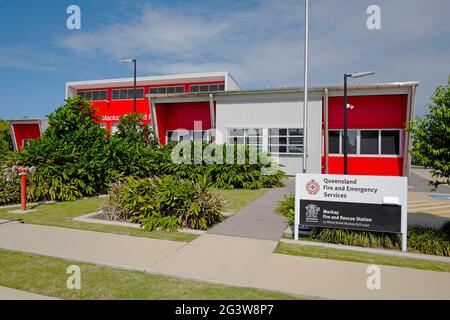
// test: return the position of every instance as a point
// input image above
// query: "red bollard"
(23, 194)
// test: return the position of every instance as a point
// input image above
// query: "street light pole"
(345, 142)
(345, 138)
(134, 89)
(134, 80)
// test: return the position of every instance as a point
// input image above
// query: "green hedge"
(165, 202)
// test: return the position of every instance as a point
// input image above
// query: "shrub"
(428, 240)
(286, 207)
(446, 230)
(9, 191)
(357, 238)
(165, 203)
(223, 175)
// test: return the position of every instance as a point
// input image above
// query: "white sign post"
(368, 203)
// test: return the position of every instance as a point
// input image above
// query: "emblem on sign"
(312, 187)
(311, 212)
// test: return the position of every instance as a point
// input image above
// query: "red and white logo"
(312, 187)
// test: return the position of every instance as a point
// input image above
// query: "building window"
(286, 140)
(207, 88)
(365, 142)
(26, 142)
(334, 142)
(93, 95)
(167, 90)
(188, 135)
(251, 137)
(390, 142)
(127, 94)
(369, 142)
(352, 141)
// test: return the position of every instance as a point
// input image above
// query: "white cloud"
(263, 45)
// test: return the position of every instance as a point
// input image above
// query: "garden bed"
(99, 218)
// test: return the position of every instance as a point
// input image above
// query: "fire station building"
(212, 105)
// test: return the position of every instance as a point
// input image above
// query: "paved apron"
(258, 219)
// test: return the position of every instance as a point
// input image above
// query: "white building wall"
(274, 110)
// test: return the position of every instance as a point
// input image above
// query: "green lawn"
(47, 276)
(348, 255)
(236, 199)
(60, 214)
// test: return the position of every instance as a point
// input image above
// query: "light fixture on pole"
(133, 61)
(346, 106)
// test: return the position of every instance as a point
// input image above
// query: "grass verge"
(353, 256)
(60, 214)
(236, 199)
(47, 276)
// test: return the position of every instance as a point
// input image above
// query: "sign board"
(367, 203)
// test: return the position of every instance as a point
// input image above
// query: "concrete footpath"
(229, 260)
(14, 294)
(258, 219)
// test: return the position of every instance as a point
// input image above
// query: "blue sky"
(259, 42)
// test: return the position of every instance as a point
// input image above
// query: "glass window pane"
(184, 135)
(194, 88)
(390, 142)
(221, 87)
(236, 140)
(277, 132)
(123, 94)
(102, 95)
(278, 149)
(204, 88)
(170, 89)
(115, 95)
(253, 140)
(153, 90)
(254, 132)
(140, 93)
(333, 141)
(369, 142)
(236, 132)
(295, 140)
(295, 149)
(96, 95)
(162, 90)
(351, 145)
(179, 89)
(278, 140)
(295, 132)
(213, 87)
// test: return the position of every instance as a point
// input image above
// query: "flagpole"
(305, 102)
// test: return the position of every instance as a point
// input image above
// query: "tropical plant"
(6, 143)
(286, 207)
(165, 203)
(71, 156)
(431, 137)
(9, 191)
(261, 172)
(429, 240)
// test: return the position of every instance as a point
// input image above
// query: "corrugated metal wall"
(274, 110)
